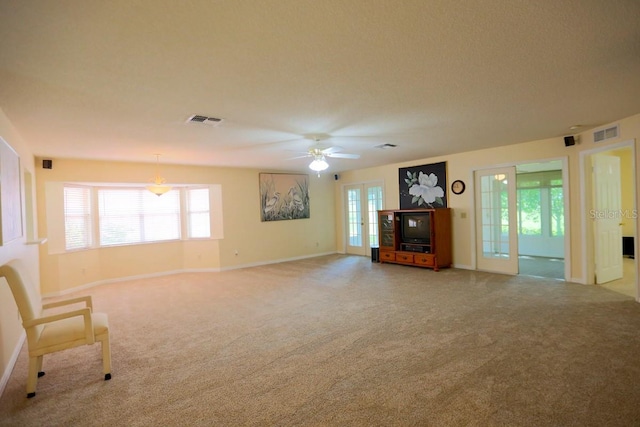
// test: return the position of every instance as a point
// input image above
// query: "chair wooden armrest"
(86, 299)
(84, 312)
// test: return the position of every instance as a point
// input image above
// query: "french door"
(362, 202)
(496, 228)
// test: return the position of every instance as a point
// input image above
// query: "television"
(415, 227)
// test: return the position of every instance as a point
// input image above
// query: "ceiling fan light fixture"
(318, 165)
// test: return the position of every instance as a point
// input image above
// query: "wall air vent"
(196, 118)
(607, 133)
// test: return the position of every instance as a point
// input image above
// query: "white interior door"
(496, 231)
(362, 202)
(607, 217)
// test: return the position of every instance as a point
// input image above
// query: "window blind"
(198, 216)
(134, 215)
(77, 217)
(99, 215)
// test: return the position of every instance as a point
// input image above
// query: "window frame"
(88, 216)
(182, 212)
(546, 182)
(140, 218)
(188, 213)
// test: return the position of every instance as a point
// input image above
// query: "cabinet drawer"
(404, 257)
(387, 256)
(425, 259)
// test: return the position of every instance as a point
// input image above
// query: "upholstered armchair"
(55, 332)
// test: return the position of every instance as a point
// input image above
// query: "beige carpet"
(626, 285)
(341, 341)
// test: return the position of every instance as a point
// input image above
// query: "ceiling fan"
(320, 155)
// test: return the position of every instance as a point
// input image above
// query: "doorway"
(521, 219)
(611, 220)
(541, 219)
(496, 237)
(362, 202)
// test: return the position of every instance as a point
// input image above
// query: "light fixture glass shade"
(158, 189)
(318, 165)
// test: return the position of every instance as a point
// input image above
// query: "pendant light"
(158, 187)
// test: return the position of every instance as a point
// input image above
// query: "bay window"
(133, 215)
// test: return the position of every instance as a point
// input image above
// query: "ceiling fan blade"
(344, 156)
(331, 150)
(299, 157)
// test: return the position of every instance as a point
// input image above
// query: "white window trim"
(54, 201)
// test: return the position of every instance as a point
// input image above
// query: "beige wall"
(462, 165)
(627, 188)
(10, 325)
(256, 242)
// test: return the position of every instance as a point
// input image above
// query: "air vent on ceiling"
(607, 133)
(385, 146)
(196, 118)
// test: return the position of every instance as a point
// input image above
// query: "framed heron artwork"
(284, 196)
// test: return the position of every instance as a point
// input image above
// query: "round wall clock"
(457, 187)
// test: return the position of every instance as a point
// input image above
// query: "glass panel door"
(362, 202)
(496, 232)
(374, 204)
(355, 221)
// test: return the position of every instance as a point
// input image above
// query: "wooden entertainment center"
(418, 237)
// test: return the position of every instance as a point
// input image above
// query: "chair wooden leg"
(106, 356)
(32, 377)
(40, 371)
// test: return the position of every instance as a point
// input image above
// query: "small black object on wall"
(47, 164)
(569, 141)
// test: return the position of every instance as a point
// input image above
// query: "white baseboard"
(104, 282)
(168, 273)
(12, 362)
(463, 267)
(278, 261)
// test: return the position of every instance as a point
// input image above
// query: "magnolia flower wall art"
(423, 187)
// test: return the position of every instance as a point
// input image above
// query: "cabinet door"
(387, 230)
(404, 257)
(425, 259)
(387, 256)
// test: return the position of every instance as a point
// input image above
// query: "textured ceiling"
(118, 80)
